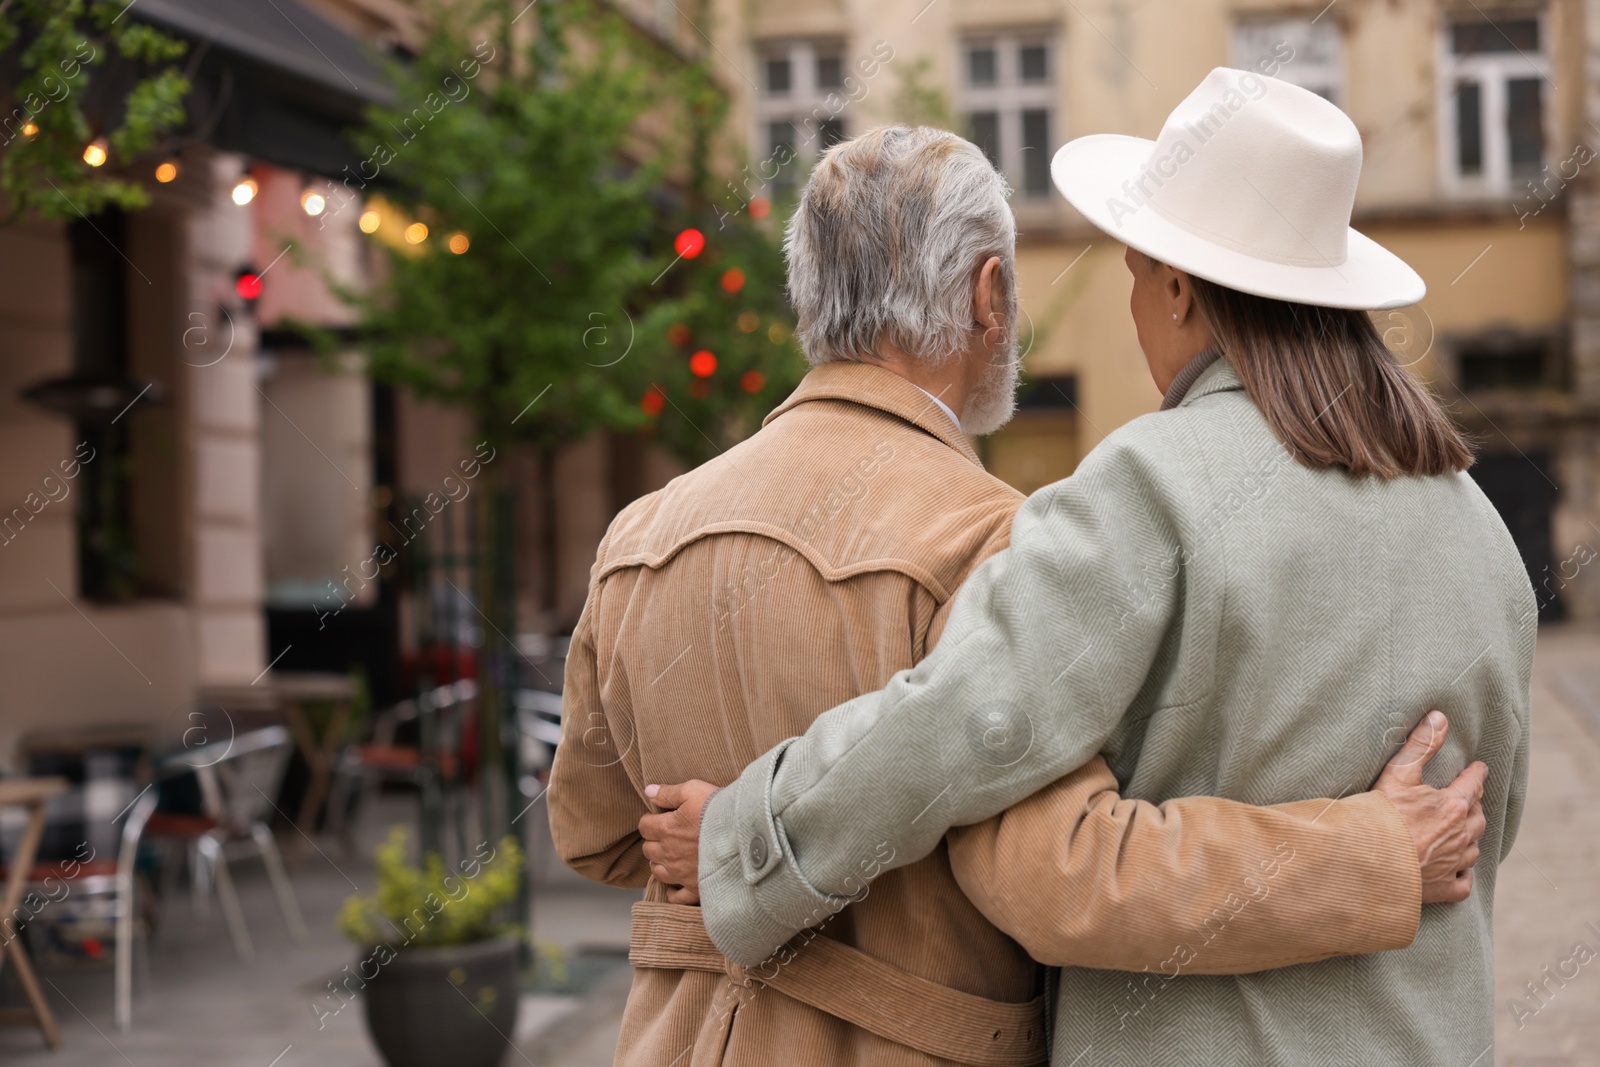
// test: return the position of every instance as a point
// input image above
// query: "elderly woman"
(1253, 594)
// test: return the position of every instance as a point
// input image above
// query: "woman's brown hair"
(1329, 387)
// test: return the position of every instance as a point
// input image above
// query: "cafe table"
(31, 794)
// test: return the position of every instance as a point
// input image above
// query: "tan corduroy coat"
(807, 566)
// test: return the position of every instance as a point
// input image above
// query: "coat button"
(758, 852)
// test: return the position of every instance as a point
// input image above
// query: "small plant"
(430, 906)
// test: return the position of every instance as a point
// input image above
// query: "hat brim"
(1091, 171)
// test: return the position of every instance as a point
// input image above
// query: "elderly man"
(810, 564)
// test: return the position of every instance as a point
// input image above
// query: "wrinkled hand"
(672, 838)
(1447, 823)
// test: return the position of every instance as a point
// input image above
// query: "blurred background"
(333, 333)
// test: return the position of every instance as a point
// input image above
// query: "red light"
(678, 333)
(752, 381)
(690, 243)
(732, 280)
(699, 390)
(654, 400)
(248, 285)
(760, 207)
(702, 364)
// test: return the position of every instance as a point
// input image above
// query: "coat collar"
(875, 387)
(1220, 377)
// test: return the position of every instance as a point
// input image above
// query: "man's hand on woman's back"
(1447, 823)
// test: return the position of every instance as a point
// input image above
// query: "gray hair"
(886, 242)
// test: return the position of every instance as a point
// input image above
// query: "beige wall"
(1123, 66)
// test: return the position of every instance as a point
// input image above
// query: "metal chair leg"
(281, 888)
(218, 862)
(200, 881)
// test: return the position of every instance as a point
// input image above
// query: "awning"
(275, 81)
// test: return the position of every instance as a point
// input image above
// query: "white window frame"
(1492, 71)
(805, 99)
(1326, 73)
(1010, 96)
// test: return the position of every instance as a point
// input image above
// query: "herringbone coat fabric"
(1216, 618)
(807, 566)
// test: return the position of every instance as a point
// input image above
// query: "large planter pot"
(454, 1005)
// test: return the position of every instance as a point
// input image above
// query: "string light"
(95, 153)
(703, 364)
(749, 321)
(654, 400)
(752, 381)
(370, 220)
(167, 172)
(313, 203)
(678, 334)
(416, 233)
(777, 333)
(732, 280)
(459, 243)
(760, 207)
(30, 130)
(245, 191)
(689, 243)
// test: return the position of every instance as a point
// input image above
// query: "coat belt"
(835, 978)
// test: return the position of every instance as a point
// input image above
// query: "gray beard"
(994, 401)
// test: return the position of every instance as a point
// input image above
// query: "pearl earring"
(1174, 316)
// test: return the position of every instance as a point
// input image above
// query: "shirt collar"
(875, 387)
(943, 407)
(1187, 377)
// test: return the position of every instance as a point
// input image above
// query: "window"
(1008, 102)
(801, 110)
(1307, 52)
(1493, 81)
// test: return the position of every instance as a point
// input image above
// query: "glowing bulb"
(416, 233)
(369, 221)
(689, 243)
(167, 172)
(30, 130)
(95, 154)
(245, 191)
(459, 243)
(749, 321)
(313, 203)
(703, 364)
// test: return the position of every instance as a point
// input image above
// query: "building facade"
(1478, 121)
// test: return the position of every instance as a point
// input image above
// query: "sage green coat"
(1217, 619)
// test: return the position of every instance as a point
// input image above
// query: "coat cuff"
(753, 897)
(1395, 916)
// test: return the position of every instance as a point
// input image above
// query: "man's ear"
(987, 311)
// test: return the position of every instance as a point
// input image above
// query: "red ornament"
(654, 400)
(760, 207)
(248, 285)
(732, 280)
(752, 381)
(678, 333)
(703, 364)
(690, 243)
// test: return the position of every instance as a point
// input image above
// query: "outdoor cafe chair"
(236, 790)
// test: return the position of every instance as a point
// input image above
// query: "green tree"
(48, 48)
(570, 151)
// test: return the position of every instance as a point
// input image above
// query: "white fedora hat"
(1250, 185)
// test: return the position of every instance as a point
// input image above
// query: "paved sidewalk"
(1549, 890)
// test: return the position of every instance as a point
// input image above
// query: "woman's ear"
(1180, 294)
